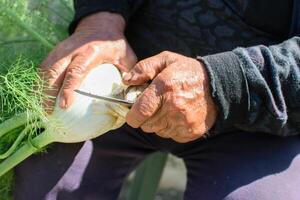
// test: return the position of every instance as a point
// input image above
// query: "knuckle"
(92, 48)
(163, 133)
(165, 53)
(185, 135)
(166, 131)
(116, 61)
(145, 70)
(148, 76)
(134, 117)
(144, 108)
(169, 56)
(52, 73)
(133, 125)
(76, 70)
(133, 120)
(49, 74)
(74, 74)
(195, 131)
(147, 128)
(142, 67)
(163, 83)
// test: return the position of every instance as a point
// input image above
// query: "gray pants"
(235, 166)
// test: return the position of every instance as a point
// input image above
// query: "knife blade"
(106, 98)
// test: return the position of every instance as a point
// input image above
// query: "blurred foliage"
(32, 27)
(29, 29)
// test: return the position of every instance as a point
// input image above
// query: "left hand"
(178, 103)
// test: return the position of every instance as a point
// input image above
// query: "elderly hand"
(98, 39)
(177, 104)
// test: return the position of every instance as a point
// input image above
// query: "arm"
(257, 88)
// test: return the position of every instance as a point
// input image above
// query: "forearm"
(257, 88)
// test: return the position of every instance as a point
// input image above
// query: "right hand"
(98, 39)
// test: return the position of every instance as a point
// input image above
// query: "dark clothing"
(235, 166)
(256, 87)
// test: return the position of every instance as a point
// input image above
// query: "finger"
(146, 106)
(160, 124)
(156, 123)
(164, 134)
(148, 69)
(184, 139)
(167, 132)
(53, 76)
(75, 73)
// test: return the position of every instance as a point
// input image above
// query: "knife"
(106, 98)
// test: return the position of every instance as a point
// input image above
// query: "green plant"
(28, 30)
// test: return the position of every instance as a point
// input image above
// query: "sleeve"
(257, 89)
(84, 8)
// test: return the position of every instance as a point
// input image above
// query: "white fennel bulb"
(87, 117)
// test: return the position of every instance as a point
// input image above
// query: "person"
(224, 96)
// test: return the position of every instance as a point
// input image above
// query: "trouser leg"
(243, 166)
(93, 170)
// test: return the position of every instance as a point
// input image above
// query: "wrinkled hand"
(178, 102)
(98, 39)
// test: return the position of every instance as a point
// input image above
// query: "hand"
(98, 39)
(178, 103)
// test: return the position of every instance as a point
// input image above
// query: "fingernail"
(127, 76)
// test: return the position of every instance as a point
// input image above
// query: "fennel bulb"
(85, 119)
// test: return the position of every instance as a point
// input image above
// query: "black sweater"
(251, 50)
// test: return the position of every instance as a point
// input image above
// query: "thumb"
(147, 69)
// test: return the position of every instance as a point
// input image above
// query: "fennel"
(28, 30)
(85, 119)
